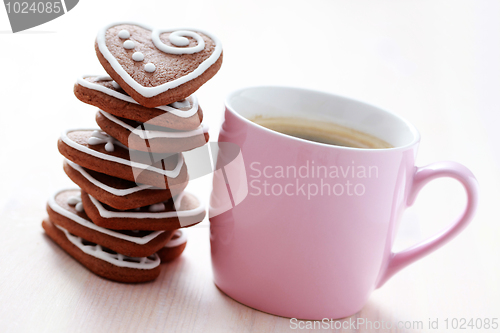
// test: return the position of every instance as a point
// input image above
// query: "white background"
(436, 63)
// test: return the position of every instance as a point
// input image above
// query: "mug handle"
(422, 176)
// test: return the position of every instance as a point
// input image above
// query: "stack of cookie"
(126, 218)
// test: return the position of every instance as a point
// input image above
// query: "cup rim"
(411, 127)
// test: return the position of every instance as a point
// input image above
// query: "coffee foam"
(322, 132)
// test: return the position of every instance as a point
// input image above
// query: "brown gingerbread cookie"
(102, 261)
(116, 192)
(158, 66)
(182, 211)
(107, 95)
(66, 210)
(95, 150)
(150, 138)
(174, 248)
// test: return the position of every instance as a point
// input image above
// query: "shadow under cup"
(304, 229)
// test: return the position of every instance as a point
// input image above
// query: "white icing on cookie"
(147, 134)
(113, 258)
(149, 67)
(169, 173)
(128, 44)
(178, 38)
(138, 56)
(109, 189)
(154, 215)
(153, 91)
(104, 78)
(181, 239)
(88, 224)
(99, 137)
(115, 85)
(124, 34)
(172, 108)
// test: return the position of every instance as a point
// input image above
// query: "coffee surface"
(322, 132)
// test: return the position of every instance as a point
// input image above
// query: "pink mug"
(292, 248)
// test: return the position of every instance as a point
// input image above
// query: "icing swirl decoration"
(178, 38)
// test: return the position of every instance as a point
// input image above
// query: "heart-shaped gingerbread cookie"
(158, 66)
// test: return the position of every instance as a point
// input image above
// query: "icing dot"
(181, 104)
(124, 34)
(73, 200)
(149, 67)
(95, 141)
(138, 56)
(157, 207)
(128, 44)
(77, 202)
(115, 85)
(98, 138)
(109, 146)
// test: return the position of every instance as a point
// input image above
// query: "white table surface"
(436, 63)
